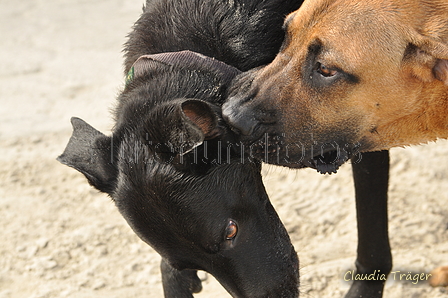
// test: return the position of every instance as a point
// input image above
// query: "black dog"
(172, 166)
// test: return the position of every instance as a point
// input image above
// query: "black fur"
(242, 33)
(173, 167)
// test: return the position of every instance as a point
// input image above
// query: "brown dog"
(352, 76)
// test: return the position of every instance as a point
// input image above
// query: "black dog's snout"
(239, 118)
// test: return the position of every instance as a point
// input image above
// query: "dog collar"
(185, 59)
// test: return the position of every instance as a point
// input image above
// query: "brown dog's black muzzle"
(247, 113)
(247, 117)
(240, 118)
(239, 110)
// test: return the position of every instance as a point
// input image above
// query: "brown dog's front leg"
(371, 177)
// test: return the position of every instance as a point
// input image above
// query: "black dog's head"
(176, 176)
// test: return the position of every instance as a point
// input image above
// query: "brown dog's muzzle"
(259, 120)
(248, 122)
(238, 118)
(248, 117)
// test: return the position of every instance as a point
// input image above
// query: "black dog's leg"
(371, 177)
(179, 284)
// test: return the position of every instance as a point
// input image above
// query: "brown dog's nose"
(239, 119)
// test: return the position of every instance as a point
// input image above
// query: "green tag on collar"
(130, 76)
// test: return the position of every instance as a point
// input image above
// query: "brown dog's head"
(351, 76)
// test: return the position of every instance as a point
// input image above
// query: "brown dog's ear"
(429, 59)
(441, 70)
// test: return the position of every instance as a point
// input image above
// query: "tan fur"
(397, 49)
(439, 277)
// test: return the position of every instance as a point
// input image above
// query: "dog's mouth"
(272, 149)
(329, 162)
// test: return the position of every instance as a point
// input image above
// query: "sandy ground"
(61, 238)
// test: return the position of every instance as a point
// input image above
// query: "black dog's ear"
(90, 152)
(198, 122)
(202, 115)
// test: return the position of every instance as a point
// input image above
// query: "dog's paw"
(439, 277)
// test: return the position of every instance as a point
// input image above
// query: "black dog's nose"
(239, 118)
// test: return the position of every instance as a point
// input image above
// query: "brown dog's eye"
(231, 230)
(325, 71)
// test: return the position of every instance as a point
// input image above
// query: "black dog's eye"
(231, 230)
(326, 71)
